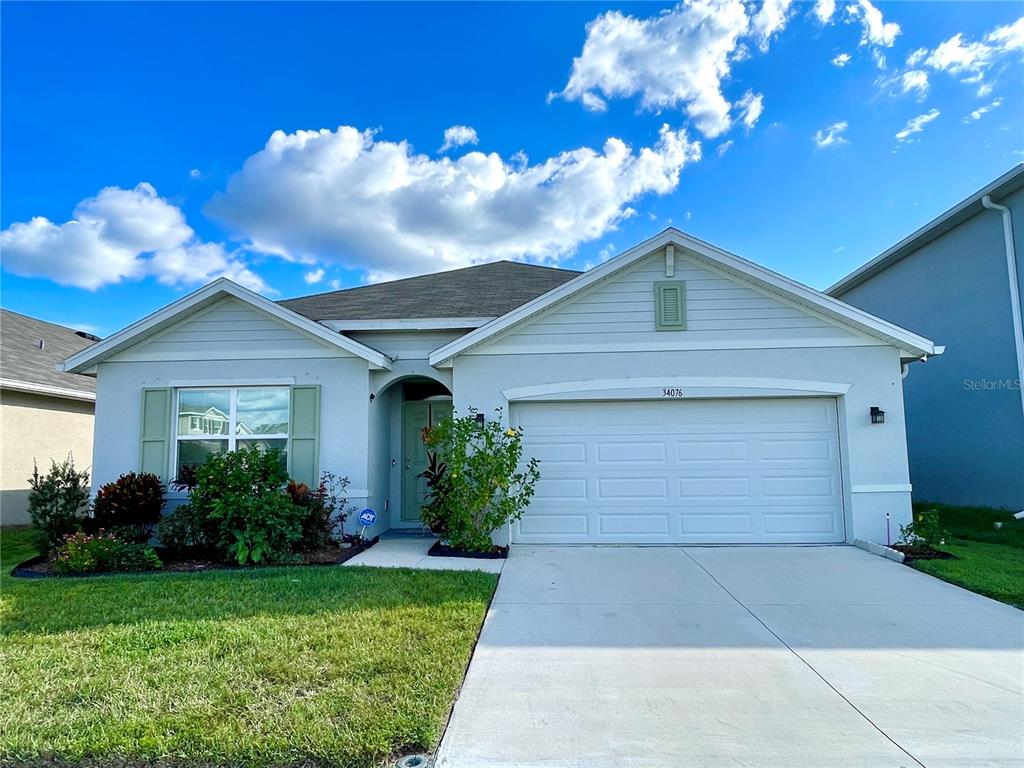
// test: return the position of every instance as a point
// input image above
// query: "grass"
(989, 561)
(267, 667)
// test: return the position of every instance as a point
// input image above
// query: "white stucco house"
(675, 393)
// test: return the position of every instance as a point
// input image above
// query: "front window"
(213, 421)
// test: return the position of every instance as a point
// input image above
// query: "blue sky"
(183, 99)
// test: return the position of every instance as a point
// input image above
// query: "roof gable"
(484, 291)
(204, 299)
(741, 270)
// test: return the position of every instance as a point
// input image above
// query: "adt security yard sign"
(366, 517)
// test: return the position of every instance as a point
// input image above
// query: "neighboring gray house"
(44, 414)
(959, 279)
(675, 393)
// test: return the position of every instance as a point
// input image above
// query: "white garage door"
(697, 471)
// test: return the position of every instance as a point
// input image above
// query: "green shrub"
(485, 488)
(325, 510)
(239, 499)
(181, 533)
(57, 503)
(925, 528)
(102, 551)
(130, 506)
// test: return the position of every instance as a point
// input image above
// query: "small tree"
(57, 502)
(485, 486)
(129, 506)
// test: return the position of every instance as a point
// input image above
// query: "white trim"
(892, 488)
(407, 324)
(46, 389)
(201, 298)
(284, 381)
(967, 208)
(768, 386)
(837, 311)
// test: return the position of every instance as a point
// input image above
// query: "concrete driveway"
(762, 657)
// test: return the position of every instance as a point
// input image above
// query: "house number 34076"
(671, 392)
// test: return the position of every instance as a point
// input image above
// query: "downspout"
(1011, 268)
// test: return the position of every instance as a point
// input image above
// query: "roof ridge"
(34, 319)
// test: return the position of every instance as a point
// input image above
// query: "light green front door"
(417, 417)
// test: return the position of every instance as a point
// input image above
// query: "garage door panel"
(711, 471)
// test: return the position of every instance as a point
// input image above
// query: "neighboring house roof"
(482, 292)
(27, 366)
(1007, 184)
(910, 344)
(204, 297)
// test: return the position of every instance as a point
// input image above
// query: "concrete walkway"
(768, 656)
(404, 551)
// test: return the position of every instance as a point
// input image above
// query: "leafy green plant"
(924, 530)
(326, 510)
(438, 488)
(486, 486)
(239, 499)
(182, 534)
(56, 503)
(102, 551)
(131, 505)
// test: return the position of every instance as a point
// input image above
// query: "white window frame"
(231, 437)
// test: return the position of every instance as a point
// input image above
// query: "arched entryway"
(402, 412)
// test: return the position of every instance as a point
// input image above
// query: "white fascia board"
(46, 389)
(840, 312)
(407, 324)
(196, 300)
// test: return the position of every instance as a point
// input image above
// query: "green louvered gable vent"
(670, 305)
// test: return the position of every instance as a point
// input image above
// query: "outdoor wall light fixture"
(479, 419)
(877, 415)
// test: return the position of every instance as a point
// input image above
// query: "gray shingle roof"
(487, 290)
(22, 360)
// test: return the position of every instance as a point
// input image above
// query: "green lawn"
(989, 561)
(277, 666)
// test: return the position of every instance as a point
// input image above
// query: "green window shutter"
(670, 305)
(304, 435)
(155, 440)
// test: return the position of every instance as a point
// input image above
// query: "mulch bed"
(921, 553)
(443, 550)
(40, 567)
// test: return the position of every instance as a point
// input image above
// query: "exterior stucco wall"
(38, 429)
(874, 457)
(344, 409)
(965, 425)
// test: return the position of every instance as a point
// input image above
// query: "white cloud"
(875, 30)
(195, 173)
(770, 19)
(841, 60)
(345, 197)
(916, 124)
(824, 10)
(972, 61)
(458, 136)
(832, 136)
(981, 111)
(335, 284)
(751, 107)
(677, 59)
(313, 277)
(724, 147)
(120, 234)
(911, 81)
